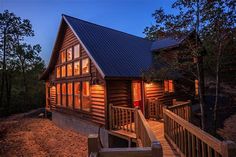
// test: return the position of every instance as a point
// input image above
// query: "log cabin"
(93, 67)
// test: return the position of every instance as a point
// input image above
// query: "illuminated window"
(63, 57)
(171, 86)
(196, 87)
(77, 95)
(63, 71)
(58, 72)
(85, 66)
(168, 86)
(86, 96)
(136, 93)
(77, 68)
(70, 94)
(58, 94)
(69, 54)
(77, 51)
(63, 94)
(69, 69)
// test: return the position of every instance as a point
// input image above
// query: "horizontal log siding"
(98, 104)
(156, 90)
(119, 93)
(52, 96)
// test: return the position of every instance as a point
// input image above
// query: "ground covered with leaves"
(39, 137)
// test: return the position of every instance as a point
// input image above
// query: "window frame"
(84, 97)
(64, 95)
(169, 86)
(69, 94)
(77, 95)
(58, 92)
(84, 73)
(75, 51)
(67, 71)
(77, 61)
(67, 52)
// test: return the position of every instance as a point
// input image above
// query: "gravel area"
(39, 137)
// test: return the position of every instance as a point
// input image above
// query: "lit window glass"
(58, 94)
(76, 51)
(70, 94)
(63, 57)
(69, 69)
(86, 96)
(58, 72)
(77, 95)
(63, 71)
(77, 68)
(63, 94)
(85, 66)
(69, 54)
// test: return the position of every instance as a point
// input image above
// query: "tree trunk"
(217, 86)
(201, 92)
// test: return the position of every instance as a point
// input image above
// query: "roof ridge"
(107, 28)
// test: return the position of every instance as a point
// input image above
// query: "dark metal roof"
(118, 54)
(166, 43)
(115, 53)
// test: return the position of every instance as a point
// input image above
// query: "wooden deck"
(158, 129)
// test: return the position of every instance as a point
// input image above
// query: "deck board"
(158, 129)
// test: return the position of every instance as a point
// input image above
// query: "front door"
(137, 95)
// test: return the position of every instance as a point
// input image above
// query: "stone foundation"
(81, 126)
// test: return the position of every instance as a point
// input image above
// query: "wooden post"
(136, 121)
(156, 149)
(174, 102)
(110, 117)
(93, 144)
(228, 149)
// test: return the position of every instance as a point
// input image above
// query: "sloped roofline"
(45, 74)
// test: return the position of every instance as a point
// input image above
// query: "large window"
(70, 94)
(69, 54)
(77, 51)
(63, 71)
(64, 94)
(69, 69)
(86, 96)
(58, 72)
(77, 95)
(58, 94)
(85, 66)
(196, 87)
(77, 68)
(63, 57)
(168, 86)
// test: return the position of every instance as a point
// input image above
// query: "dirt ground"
(38, 137)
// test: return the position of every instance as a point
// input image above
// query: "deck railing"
(95, 150)
(154, 108)
(143, 131)
(122, 118)
(182, 109)
(130, 120)
(191, 141)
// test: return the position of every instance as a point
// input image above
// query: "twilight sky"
(130, 16)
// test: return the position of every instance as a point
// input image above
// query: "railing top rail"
(125, 108)
(147, 128)
(202, 135)
(179, 104)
